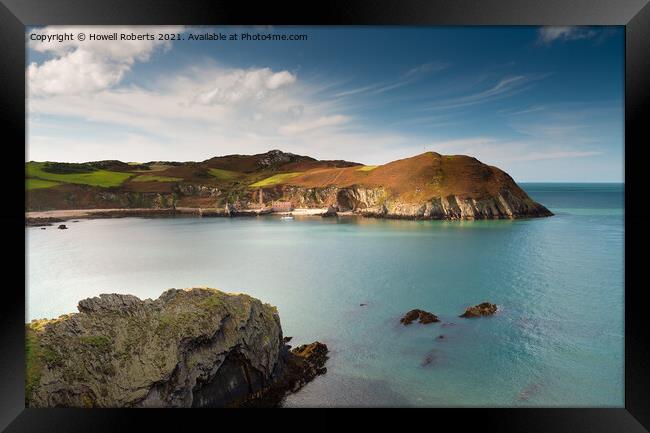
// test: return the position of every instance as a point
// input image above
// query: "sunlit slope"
(418, 178)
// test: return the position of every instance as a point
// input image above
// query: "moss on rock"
(174, 351)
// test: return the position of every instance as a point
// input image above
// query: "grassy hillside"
(221, 174)
(275, 180)
(94, 177)
(31, 184)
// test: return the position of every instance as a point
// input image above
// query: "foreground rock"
(189, 348)
(483, 309)
(423, 316)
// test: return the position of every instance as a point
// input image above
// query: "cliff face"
(189, 348)
(377, 202)
(90, 197)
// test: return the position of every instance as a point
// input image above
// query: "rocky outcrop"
(424, 317)
(198, 190)
(189, 348)
(274, 158)
(482, 309)
(330, 212)
(378, 203)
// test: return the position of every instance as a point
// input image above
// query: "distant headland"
(425, 186)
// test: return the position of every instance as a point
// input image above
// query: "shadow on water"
(334, 390)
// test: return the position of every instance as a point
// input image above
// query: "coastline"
(48, 218)
(39, 218)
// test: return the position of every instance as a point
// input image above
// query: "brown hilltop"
(273, 159)
(420, 177)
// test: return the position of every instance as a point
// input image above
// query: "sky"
(545, 104)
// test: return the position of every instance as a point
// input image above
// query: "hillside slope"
(427, 186)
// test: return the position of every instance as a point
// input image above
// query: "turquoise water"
(557, 339)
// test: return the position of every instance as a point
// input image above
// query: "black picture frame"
(633, 14)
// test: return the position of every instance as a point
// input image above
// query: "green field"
(152, 178)
(367, 167)
(39, 184)
(223, 174)
(275, 179)
(103, 178)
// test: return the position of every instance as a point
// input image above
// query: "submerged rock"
(482, 309)
(423, 316)
(429, 359)
(189, 348)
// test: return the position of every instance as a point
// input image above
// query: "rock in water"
(482, 309)
(423, 316)
(330, 212)
(63, 227)
(189, 348)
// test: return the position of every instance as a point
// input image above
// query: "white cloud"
(78, 72)
(538, 156)
(426, 68)
(459, 145)
(85, 67)
(81, 110)
(279, 79)
(549, 34)
(411, 76)
(238, 85)
(504, 152)
(311, 125)
(193, 114)
(505, 87)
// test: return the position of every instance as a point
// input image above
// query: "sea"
(557, 339)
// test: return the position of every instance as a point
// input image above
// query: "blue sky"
(542, 103)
